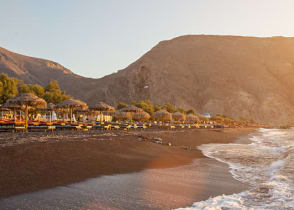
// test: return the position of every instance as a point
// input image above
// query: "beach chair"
(19, 128)
(116, 127)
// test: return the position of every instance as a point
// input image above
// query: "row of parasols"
(27, 101)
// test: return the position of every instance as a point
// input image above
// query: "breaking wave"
(266, 165)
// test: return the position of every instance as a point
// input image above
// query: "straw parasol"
(179, 117)
(2, 109)
(50, 106)
(11, 106)
(131, 108)
(72, 104)
(101, 106)
(162, 115)
(192, 118)
(26, 101)
(122, 115)
(141, 116)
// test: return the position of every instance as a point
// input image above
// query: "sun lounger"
(7, 128)
(44, 128)
(115, 127)
(172, 127)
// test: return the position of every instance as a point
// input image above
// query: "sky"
(95, 38)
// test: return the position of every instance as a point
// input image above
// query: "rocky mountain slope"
(238, 76)
(40, 71)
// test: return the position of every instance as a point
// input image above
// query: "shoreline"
(52, 162)
(168, 188)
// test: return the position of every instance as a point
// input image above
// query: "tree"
(53, 94)
(170, 108)
(38, 90)
(8, 89)
(121, 105)
(181, 110)
(157, 108)
(190, 111)
(1, 88)
(23, 88)
(147, 106)
(52, 86)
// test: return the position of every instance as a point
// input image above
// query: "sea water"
(267, 165)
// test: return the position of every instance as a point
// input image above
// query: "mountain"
(238, 76)
(40, 71)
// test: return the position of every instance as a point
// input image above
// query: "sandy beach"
(38, 161)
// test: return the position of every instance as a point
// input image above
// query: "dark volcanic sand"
(149, 189)
(65, 158)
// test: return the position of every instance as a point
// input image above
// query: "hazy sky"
(98, 37)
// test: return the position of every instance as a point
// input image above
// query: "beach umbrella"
(141, 116)
(131, 108)
(179, 117)
(3, 109)
(72, 104)
(49, 108)
(26, 101)
(101, 106)
(162, 115)
(12, 106)
(192, 118)
(122, 115)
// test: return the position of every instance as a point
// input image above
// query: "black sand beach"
(61, 159)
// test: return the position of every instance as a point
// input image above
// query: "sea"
(266, 165)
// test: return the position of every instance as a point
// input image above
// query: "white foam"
(276, 166)
(233, 201)
(266, 165)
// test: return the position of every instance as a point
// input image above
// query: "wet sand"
(148, 189)
(64, 158)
